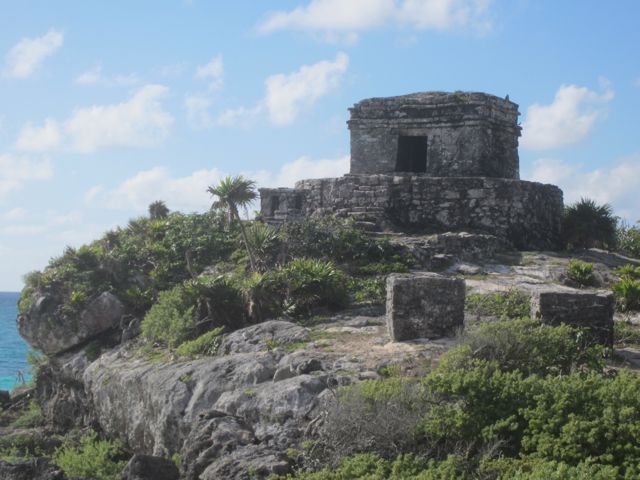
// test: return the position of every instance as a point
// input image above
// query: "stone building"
(431, 162)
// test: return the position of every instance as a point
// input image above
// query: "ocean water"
(13, 349)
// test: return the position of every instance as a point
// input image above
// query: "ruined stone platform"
(431, 162)
(526, 214)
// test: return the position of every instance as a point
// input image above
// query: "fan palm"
(158, 210)
(233, 193)
(587, 224)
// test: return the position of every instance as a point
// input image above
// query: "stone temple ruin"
(431, 162)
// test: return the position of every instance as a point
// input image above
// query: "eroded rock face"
(52, 333)
(34, 469)
(147, 467)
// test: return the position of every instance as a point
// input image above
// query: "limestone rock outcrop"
(52, 332)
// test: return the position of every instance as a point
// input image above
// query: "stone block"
(589, 309)
(424, 306)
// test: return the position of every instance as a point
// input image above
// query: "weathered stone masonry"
(431, 162)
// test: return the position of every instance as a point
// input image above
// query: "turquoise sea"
(13, 349)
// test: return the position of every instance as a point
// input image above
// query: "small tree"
(158, 210)
(587, 224)
(233, 193)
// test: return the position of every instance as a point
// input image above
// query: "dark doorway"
(412, 154)
(275, 204)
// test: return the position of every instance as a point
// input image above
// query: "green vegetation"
(91, 458)
(233, 193)
(627, 293)
(31, 417)
(628, 239)
(206, 344)
(156, 267)
(517, 399)
(626, 334)
(587, 224)
(629, 270)
(510, 304)
(581, 272)
(158, 210)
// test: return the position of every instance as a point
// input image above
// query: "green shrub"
(626, 334)
(368, 466)
(587, 224)
(627, 293)
(171, 319)
(206, 344)
(581, 272)
(629, 270)
(377, 416)
(529, 346)
(31, 417)
(298, 288)
(368, 290)
(92, 458)
(628, 239)
(510, 304)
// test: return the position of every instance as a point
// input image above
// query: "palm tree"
(233, 193)
(158, 210)
(587, 224)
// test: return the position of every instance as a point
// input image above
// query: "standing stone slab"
(424, 306)
(589, 309)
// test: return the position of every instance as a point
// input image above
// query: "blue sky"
(107, 106)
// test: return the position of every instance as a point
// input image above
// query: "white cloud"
(94, 76)
(212, 72)
(197, 107)
(568, 120)
(17, 213)
(189, 193)
(136, 193)
(15, 171)
(303, 168)
(240, 116)
(337, 19)
(287, 95)
(39, 139)
(26, 56)
(617, 186)
(139, 122)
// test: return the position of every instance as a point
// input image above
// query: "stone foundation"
(424, 306)
(526, 214)
(588, 309)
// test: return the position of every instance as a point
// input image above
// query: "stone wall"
(527, 214)
(467, 134)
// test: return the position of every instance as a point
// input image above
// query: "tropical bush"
(533, 404)
(629, 270)
(206, 344)
(581, 272)
(628, 239)
(92, 458)
(627, 293)
(587, 224)
(510, 304)
(171, 319)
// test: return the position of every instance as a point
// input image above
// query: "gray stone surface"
(589, 309)
(148, 467)
(33, 469)
(424, 306)
(465, 134)
(262, 336)
(52, 332)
